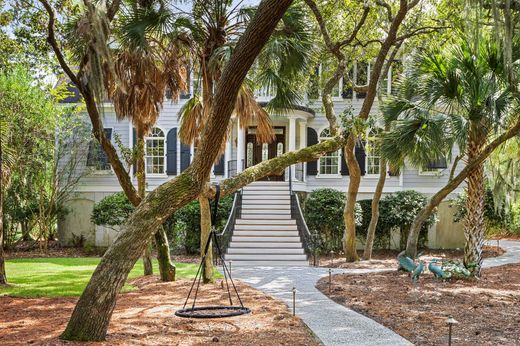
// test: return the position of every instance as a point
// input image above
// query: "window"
(434, 167)
(372, 154)
(279, 149)
(330, 163)
(96, 156)
(249, 155)
(154, 152)
(265, 152)
(362, 73)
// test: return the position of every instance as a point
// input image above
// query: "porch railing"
(227, 232)
(297, 214)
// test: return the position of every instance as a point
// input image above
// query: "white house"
(305, 125)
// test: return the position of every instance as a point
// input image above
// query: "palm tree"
(142, 62)
(147, 62)
(452, 96)
(214, 27)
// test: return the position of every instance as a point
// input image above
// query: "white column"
(240, 147)
(227, 156)
(303, 143)
(292, 141)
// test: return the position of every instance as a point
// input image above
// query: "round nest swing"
(214, 311)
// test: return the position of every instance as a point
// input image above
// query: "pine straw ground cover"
(488, 310)
(146, 317)
(386, 259)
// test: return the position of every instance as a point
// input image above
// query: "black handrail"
(303, 230)
(227, 232)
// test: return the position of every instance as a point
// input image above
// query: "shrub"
(396, 210)
(497, 220)
(113, 210)
(182, 228)
(323, 211)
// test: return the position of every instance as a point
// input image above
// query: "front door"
(257, 152)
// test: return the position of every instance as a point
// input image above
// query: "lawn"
(66, 277)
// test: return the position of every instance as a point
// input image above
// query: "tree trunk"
(141, 191)
(205, 230)
(3, 276)
(349, 241)
(422, 216)
(374, 218)
(91, 316)
(166, 266)
(474, 218)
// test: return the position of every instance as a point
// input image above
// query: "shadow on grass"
(66, 277)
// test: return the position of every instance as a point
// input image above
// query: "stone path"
(332, 323)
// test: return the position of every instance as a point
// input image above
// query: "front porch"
(243, 150)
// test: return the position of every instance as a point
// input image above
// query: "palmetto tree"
(213, 28)
(454, 96)
(147, 62)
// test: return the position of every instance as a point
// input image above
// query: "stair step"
(255, 233)
(266, 257)
(264, 216)
(264, 221)
(246, 197)
(266, 228)
(265, 207)
(241, 245)
(265, 251)
(266, 192)
(242, 263)
(263, 202)
(265, 239)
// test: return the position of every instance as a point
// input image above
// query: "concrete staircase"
(266, 235)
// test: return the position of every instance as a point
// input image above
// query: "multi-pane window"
(155, 152)
(373, 156)
(96, 156)
(329, 163)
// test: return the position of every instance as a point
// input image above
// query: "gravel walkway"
(332, 323)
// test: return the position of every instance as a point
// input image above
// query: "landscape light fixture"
(450, 322)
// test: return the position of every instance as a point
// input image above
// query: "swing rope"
(213, 311)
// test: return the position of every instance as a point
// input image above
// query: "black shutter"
(219, 166)
(134, 143)
(361, 156)
(185, 156)
(171, 152)
(344, 167)
(312, 138)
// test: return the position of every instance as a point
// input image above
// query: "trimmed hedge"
(323, 211)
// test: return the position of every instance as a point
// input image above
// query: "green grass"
(66, 277)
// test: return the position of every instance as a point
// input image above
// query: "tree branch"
(421, 31)
(277, 165)
(51, 39)
(358, 27)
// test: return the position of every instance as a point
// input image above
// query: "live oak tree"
(92, 313)
(484, 93)
(455, 96)
(213, 28)
(361, 37)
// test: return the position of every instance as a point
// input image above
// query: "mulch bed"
(488, 309)
(386, 259)
(146, 317)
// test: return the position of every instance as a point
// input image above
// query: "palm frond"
(191, 117)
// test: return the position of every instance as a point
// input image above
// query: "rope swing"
(217, 311)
